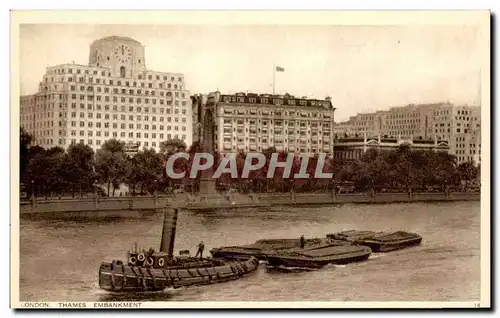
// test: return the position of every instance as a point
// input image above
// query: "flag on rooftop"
(280, 69)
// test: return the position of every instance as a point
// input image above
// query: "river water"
(59, 260)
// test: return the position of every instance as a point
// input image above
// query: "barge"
(260, 248)
(318, 257)
(379, 241)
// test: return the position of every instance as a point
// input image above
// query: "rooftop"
(117, 38)
(268, 95)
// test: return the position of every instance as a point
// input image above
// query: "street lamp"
(33, 189)
(96, 193)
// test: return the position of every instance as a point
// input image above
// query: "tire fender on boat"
(132, 260)
(141, 257)
(161, 262)
(150, 261)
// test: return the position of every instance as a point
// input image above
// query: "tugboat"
(379, 241)
(151, 271)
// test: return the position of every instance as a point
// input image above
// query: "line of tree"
(78, 170)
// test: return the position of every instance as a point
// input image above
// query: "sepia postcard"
(250, 159)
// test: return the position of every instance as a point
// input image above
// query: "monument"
(204, 133)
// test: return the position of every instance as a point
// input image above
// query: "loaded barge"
(379, 241)
(318, 257)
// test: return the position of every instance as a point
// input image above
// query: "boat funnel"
(168, 232)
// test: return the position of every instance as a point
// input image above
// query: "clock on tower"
(123, 53)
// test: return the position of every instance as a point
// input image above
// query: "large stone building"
(458, 125)
(353, 148)
(255, 122)
(114, 96)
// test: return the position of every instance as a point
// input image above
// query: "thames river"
(60, 259)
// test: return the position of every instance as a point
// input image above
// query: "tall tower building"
(114, 96)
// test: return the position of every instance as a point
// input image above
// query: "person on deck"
(302, 241)
(201, 246)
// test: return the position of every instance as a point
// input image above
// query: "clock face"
(123, 53)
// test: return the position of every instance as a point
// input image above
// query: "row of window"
(405, 115)
(402, 132)
(53, 87)
(464, 145)
(403, 127)
(40, 124)
(278, 123)
(122, 108)
(402, 121)
(277, 141)
(121, 134)
(154, 101)
(124, 126)
(259, 148)
(441, 112)
(466, 158)
(276, 131)
(115, 90)
(277, 113)
(98, 142)
(103, 73)
(130, 117)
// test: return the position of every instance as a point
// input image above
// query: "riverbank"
(136, 206)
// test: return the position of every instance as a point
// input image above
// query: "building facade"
(255, 122)
(114, 96)
(458, 125)
(353, 148)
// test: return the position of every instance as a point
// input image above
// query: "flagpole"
(274, 76)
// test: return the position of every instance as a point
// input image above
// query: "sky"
(362, 68)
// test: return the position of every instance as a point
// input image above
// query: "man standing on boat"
(201, 247)
(302, 241)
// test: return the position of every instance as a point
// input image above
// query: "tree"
(376, 170)
(172, 146)
(403, 170)
(444, 169)
(467, 172)
(25, 140)
(146, 170)
(112, 165)
(55, 174)
(36, 170)
(80, 168)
